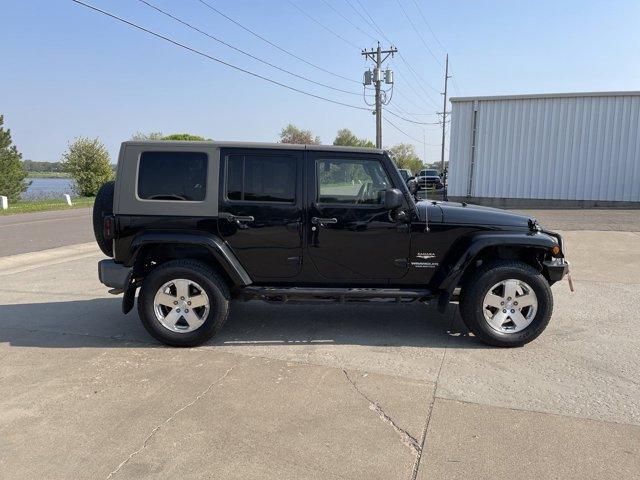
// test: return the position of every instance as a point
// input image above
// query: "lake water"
(42, 188)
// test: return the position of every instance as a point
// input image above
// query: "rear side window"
(261, 178)
(180, 176)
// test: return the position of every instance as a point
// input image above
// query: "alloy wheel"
(181, 305)
(510, 306)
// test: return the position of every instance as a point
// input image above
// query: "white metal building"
(555, 149)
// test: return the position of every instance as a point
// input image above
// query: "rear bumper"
(114, 275)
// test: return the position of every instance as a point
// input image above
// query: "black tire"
(102, 207)
(214, 286)
(478, 285)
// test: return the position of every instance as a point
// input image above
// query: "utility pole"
(376, 77)
(444, 111)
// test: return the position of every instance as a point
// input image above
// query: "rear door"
(260, 210)
(352, 235)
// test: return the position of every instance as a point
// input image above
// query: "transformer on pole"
(376, 77)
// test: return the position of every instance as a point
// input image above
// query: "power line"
(337, 35)
(302, 77)
(403, 111)
(363, 18)
(421, 142)
(403, 132)
(411, 121)
(428, 25)
(426, 22)
(266, 40)
(418, 33)
(455, 83)
(205, 55)
(410, 100)
(372, 23)
(421, 81)
(338, 12)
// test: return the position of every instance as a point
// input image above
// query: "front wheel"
(506, 304)
(183, 303)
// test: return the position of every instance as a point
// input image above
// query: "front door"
(351, 233)
(260, 210)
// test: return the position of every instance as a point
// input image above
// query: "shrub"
(12, 173)
(87, 161)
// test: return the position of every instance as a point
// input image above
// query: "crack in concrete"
(423, 437)
(407, 438)
(155, 430)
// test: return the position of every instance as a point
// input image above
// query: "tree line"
(403, 154)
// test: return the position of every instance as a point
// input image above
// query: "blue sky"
(70, 72)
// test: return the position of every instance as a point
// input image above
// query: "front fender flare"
(215, 245)
(467, 249)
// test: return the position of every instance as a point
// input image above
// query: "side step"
(342, 295)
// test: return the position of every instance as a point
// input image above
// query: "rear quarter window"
(178, 176)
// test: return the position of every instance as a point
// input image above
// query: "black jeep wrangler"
(194, 225)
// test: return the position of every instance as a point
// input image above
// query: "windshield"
(429, 173)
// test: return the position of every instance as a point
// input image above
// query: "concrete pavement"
(348, 392)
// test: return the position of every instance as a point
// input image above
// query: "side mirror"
(392, 199)
(412, 184)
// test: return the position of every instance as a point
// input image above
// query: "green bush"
(346, 137)
(12, 173)
(87, 161)
(184, 137)
(404, 156)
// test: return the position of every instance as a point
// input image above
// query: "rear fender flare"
(450, 272)
(215, 245)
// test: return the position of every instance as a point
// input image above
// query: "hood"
(465, 214)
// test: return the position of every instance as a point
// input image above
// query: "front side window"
(261, 178)
(351, 181)
(180, 176)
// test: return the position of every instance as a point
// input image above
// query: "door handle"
(236, 218)
(323, 221)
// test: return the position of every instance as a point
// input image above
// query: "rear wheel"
(183, 303)
(506, 304)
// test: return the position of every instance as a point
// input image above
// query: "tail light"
(108, 227)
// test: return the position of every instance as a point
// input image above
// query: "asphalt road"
(32, 232)
(318, 391)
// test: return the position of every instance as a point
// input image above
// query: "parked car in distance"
(195, 225)
(429, 178)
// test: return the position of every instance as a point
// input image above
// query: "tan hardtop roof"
(264, 145)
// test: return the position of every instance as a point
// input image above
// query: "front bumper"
(114, 275)
(427, 184)
(556, 269)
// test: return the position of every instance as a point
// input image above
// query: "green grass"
(48, 175)
(28, 206)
